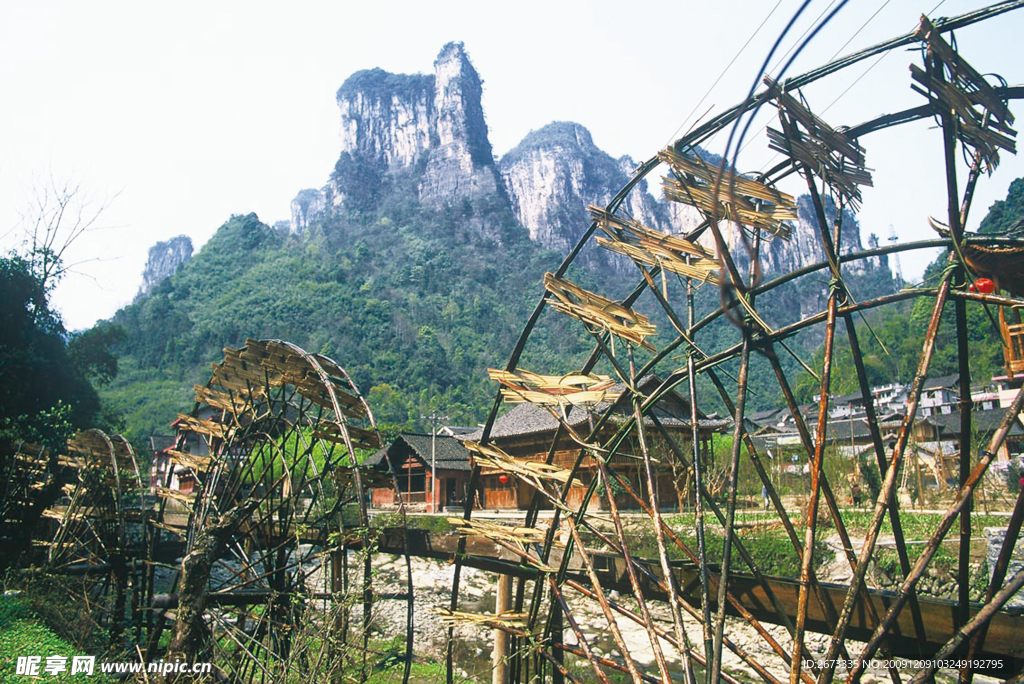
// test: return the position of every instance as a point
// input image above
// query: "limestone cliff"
(461, 163)
(306, 207)
(165, 259)
(430, 130)
(431, 126)
(387, 119)
(555, 172)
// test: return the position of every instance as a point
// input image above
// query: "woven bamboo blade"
(274, 364)
(284, 363)
(225, 401)
(594, 310)
(189, 460)
(829, 138)
(694, 184)
(963, 72)
(837, 172)
(973, 129)
(210, 428)
(699, 270)
(180, 531)
(344, 477)
(519, 536)
(488, 456)
(619, 229)
(506, 621)
(955, 86)
(360, 437)
(739, 184)
(572, 389)
(175, 495)
(734, 208)
(828, 153)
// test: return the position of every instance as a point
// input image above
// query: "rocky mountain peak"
(555, 172)
(461, 163)
(457, 102)
(430, 125)
(165, 259)
(431, 128)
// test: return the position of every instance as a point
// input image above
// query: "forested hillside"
(414, 302)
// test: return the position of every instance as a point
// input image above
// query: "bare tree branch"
(59, 212)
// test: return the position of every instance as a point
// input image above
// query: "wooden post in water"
(499, 658)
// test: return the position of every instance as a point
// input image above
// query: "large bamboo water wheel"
(688, 595)
(272, 580)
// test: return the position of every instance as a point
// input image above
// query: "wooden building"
(164, 472)
(528, 431)
(430, 471)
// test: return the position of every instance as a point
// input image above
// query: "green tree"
(43, 393)
(1004, 213)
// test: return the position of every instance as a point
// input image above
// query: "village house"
(530, 432)
(940, 395)
(933, 447)
(163, 471)
(432, 472)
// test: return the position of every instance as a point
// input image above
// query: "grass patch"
(22, 633)
(770, 549)
(919, 526)
(430, 523)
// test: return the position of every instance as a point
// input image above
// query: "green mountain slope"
(414, 303)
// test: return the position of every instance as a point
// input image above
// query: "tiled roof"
(838, 431)
(449, 454)
(528, 419)
(943, 381)
(984, 422)
(843, 399)
(161, 442)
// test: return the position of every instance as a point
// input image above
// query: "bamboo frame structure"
(832, 160)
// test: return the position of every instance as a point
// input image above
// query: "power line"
(724, 71)
(862, 27)
(856, 80)
(802, 36)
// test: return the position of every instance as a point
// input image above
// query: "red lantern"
(503, 479)
(983, 285)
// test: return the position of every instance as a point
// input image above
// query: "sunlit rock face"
(165, 259)
(428, 134)
(555, 173)
(386, 119)
(460, 163)
(307, 206)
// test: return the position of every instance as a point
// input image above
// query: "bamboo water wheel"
(272, 578)
(688, 597)
(100, 527)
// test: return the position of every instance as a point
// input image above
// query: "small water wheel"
(98, 531)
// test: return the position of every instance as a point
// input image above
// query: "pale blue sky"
(186, 113)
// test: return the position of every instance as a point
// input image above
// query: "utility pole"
(896, 258)
(433, 418)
